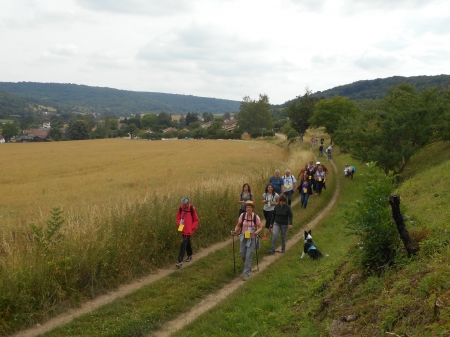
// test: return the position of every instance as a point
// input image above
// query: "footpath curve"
(177, 324)
(212, 300)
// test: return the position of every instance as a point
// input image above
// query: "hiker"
(249, 225)
(269, 199)
(290, 185)
(187, 222)
(321, 150)
(328, 152)
(305, 189)
(320, 178)
(281, 221)
(302, 172)
(310, 172)
(244, 196)
(277, 182)
(349, 171)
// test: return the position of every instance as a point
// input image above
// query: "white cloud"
(138, 7)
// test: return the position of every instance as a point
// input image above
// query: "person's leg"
(275, 232)
(248, 258)
(305, 201)
(243, 249)
(302, 198)
(289, 197)
(189, 247)
(284, 230)
(183, 248)
(268, 217)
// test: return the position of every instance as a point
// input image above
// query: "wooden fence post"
(411, 246)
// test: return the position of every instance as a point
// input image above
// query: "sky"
(222, 48)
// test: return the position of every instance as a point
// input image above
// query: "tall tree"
(78, 130)
(392, 130)
(207, 117)
(329, 112)
(300, 111)
(254, 115)
(191, 117)
(9, 130)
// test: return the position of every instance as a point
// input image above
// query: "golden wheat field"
(79, 174)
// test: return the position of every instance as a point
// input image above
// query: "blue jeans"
(304, 199)
(288, 195)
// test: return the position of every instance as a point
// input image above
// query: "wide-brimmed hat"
(318, 163)
(249, 203)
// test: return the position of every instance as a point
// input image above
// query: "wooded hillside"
(378, 88)
(84, 98)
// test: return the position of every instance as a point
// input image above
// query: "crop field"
(81, 217)
(81, 174)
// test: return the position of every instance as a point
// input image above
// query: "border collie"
(309, 247)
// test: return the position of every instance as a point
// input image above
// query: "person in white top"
(290, 185)
(269, 199)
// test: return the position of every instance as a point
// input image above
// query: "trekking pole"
(234, 255)
(256, 247)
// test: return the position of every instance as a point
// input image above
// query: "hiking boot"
(245, 278)
(189, 258)
(283, 250)
(272, 251)
(178, 265)
(263, 237)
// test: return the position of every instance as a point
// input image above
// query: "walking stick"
(234, 255)
(256, 247)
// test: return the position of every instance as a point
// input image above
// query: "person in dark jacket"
(281, 221)
(187, 222)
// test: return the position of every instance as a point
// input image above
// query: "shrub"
(370, 220)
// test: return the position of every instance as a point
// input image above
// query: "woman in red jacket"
(187, 222)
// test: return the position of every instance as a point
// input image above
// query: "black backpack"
(191, 210)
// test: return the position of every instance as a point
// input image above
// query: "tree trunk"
(411, 246)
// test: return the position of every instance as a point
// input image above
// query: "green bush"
(370, 220)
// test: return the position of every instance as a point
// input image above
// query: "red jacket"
(190, 219)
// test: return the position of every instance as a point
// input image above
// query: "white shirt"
(289, 182)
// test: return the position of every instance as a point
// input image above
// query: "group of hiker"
(276, 200)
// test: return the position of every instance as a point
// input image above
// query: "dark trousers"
(268, 217)
(288, 195)
(185, 247)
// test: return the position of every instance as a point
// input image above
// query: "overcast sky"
(222, 48)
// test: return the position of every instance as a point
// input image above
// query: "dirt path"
(212, 300)
(177, 324)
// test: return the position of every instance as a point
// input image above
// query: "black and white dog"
(309, 247)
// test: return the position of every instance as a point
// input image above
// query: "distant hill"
(84, 98)
(13, 105)
(372, 89)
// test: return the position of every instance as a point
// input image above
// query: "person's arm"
(324, 176)
(276, 202)
(263, 198)
(195, 223)
(253, 198)
(290, 217)
(295, 184)
(238, 227)
(258, 224)
(282, 185)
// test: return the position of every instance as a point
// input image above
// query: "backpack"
(252, 220)
(191, 210)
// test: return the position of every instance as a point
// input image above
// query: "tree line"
(388, 131)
